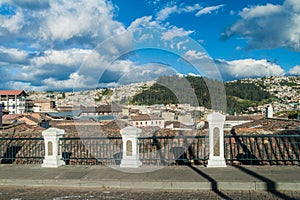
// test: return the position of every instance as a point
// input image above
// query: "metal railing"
(158, 150)
(164, 150)
(263, 149)
(92, 150)
(21, 150)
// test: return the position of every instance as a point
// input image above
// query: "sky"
(80, 44)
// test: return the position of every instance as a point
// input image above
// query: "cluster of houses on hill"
(16, 109)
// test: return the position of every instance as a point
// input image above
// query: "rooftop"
(145, 117)
(11, 92)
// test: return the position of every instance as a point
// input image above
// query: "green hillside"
(174, 89)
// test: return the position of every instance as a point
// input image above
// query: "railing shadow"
(271, 186)
(213, 182)
(10, 154)
(247, 153)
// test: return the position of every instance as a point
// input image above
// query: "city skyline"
(63, 45)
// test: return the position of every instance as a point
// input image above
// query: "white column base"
(52, 162)
(129, 163)
(216, 163)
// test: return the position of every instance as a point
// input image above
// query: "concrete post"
(130, 148)
(53, 155)
(216, 140)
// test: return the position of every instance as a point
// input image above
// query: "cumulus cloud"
(13, 24)
(53, 63)
(59, 24)
(238, 69)
(32, 4)
(66, 20)
(175, 32)
(145, 21)
(208, 10)
(13, 56)
(203, 63)
(167, 11)
(269, 26)
(52, 38)
(74, 81)
(147, 72)
(195, 56)
(295, 70)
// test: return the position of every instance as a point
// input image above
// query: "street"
(30, 193)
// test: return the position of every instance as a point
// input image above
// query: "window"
(50, 148)
(216, 136)
(128, 148)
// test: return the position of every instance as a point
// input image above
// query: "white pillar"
(216, 140)
(130, 147)
(53, 155)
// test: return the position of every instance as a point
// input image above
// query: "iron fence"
(262, 149)
(21, 150)
(92, 150)
(158, 150)
(166, 150)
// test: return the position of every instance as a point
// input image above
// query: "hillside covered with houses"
(108, 109)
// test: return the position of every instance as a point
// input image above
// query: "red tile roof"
(145, 118)
(11, 117)
(11, 92)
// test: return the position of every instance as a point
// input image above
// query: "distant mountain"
(173, 90)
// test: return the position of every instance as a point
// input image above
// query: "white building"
(13, 101)
(147, 120)
(186, 119)
(168, 116)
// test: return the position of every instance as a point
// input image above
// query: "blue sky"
(65, 45)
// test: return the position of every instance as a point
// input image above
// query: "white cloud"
(13, 55)
(194, 56)
(145, 21)
(232, 12)
(180, 44)
(260, 11)
(148, 72)
(203, 63)
(75, 81)
(12, 24)
(70, 19)
(208, 10)
(269, 26)
(166, 12)
(238, 69)
(65, 58)
(58, 36)
(32, 4)
(53, 63)
(58, 24)
(175, 32)
(295, 70)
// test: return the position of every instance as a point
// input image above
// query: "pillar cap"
(131, 131)
(53, 132)
(216, 117)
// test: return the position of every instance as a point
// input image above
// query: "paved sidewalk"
(268, 178)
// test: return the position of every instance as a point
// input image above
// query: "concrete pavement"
(267, 178)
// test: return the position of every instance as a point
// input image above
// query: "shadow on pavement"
(271, 185)
(213, 182)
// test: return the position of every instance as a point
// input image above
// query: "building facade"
(14, 101)
(147, 120)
